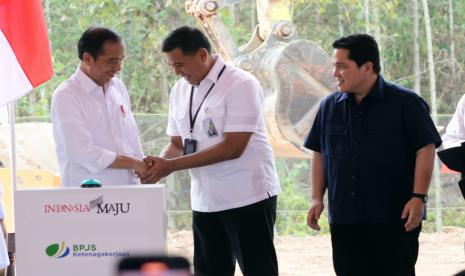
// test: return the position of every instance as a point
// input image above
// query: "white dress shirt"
(91, 128)
(235, 104)
(455, 131)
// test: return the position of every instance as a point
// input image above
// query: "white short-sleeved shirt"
(235, 104)
(91, 128)
(455, 131)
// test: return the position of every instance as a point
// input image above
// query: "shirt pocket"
(124, 117)
(380, 138)
(217, 115)
(337, 139)
(130, 134)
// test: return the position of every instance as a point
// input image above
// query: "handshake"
(151, 169)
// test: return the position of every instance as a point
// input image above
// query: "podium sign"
(76, 231)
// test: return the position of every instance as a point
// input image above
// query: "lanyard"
(192, 120)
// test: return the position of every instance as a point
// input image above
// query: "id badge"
(210, 128)
(190, 146)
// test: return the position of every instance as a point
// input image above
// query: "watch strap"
(420, 196)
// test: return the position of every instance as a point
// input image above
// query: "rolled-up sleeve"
(75, 136)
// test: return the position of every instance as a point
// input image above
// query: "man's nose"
(117, 66)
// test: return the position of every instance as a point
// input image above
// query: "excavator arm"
(295, 73)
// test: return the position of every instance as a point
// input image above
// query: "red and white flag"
(25, 60)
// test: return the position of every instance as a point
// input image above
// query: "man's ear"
(368, 67)
(203, 54)
(87, 58)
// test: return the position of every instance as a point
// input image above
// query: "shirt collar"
(377, 91)
(212, 75)
(87, 84)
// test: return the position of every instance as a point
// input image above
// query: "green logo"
(57, 250)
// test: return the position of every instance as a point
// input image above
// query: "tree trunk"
(367, 16)
(378, 31)
(416, 48)
(432, 75)
(164, 88)
(434, 111)
(232, 12)
(339, 19)
(451, 33)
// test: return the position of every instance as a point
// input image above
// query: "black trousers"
(375, 249)
(244, 234)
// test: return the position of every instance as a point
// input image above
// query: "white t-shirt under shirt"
(91, 128)
(235, 104)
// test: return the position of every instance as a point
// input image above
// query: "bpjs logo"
(97, 205)
(82, 250)
(57, 250)
(60, 250)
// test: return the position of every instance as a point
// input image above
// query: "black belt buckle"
(190, 146)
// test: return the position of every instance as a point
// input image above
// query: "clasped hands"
(151, 169)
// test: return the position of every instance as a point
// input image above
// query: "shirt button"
(353, 176)
(352, 193)
(353, 159)
(355, 143)
(360, 112)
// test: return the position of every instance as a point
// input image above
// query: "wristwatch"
(423, 197)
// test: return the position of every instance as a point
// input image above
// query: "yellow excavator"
(295, 73)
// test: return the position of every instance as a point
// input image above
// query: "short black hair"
(188, 39)
(362, 48)
(93, 38)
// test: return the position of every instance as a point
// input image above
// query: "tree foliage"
(144, 23)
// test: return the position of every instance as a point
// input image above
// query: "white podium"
(84, 231)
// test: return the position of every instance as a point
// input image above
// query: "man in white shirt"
(455, 131)
(453, 138)
(95, 132)
(217, 130)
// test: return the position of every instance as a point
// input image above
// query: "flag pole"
(12, 122)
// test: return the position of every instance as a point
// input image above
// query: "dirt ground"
(441, 254)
